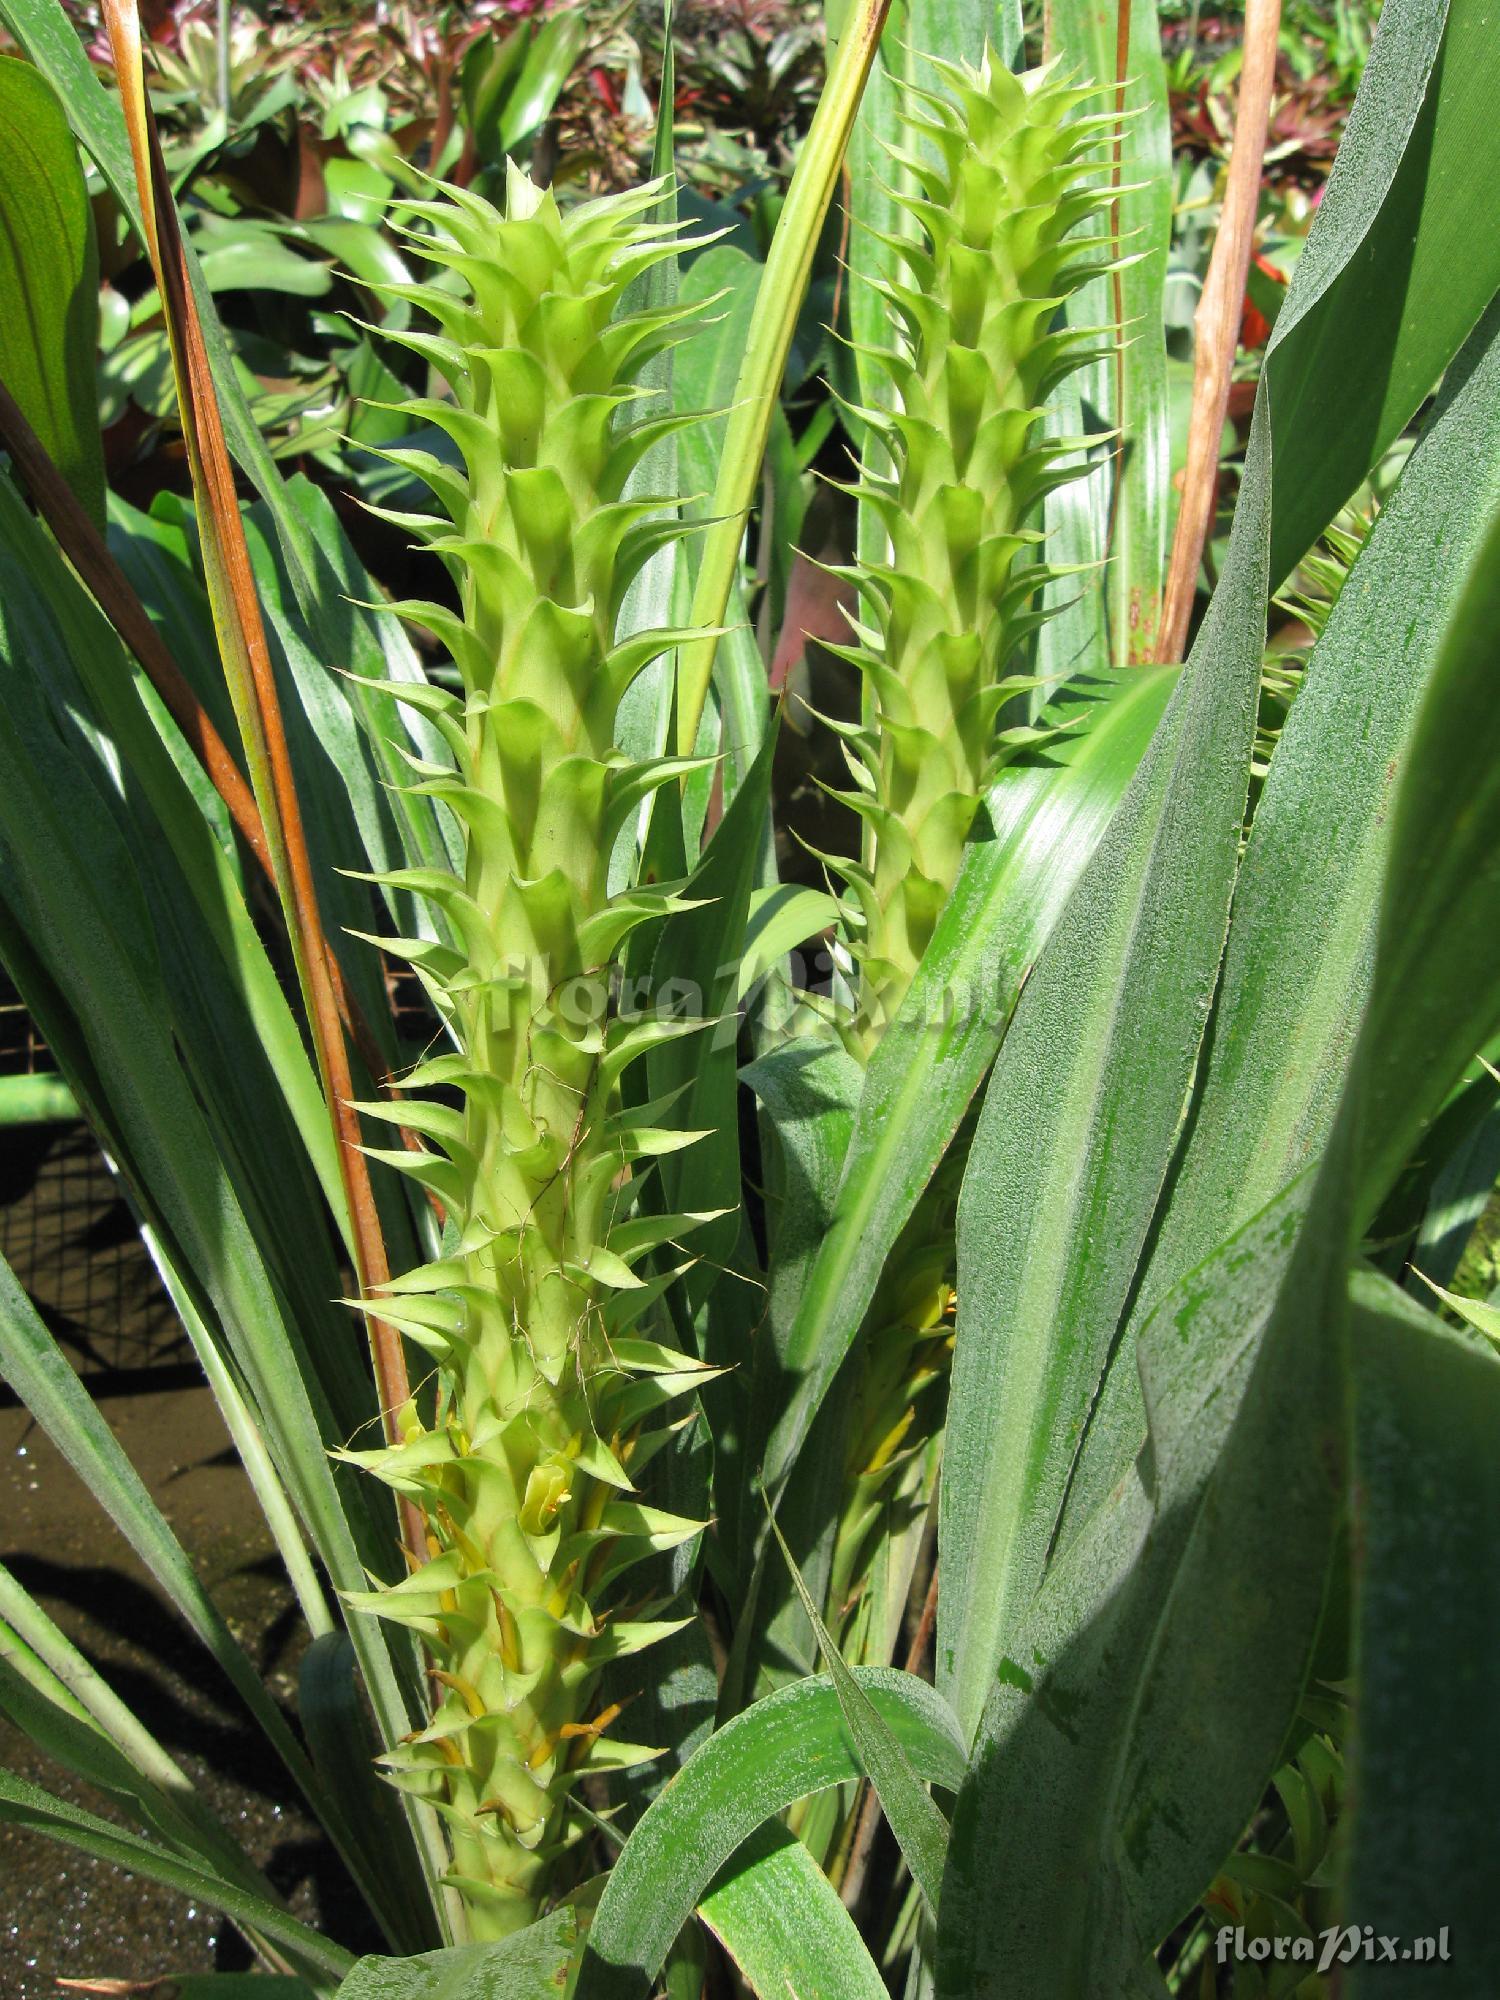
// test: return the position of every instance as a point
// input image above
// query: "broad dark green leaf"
(789, 1745)
(1460, 1189)
(1424, 1768)
(693, 970)
(1297, 966)
(513, 86)
(486, 79)
(695, 966)
(336, 1724)
(1044, 822)
(1302, 930)
(1400, 267)
(1200, 1579)
(43, 29)
(1079, 1122)
(1437, 978)
(808, 1089)
(49, 278)
(1144, 1699)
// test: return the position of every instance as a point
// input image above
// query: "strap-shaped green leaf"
(130, 1769)
(1399, 269)
(75, 930)
(1297, 971)
(45, 32)
(1437, 973)
(1424, 1766)
(1122, 517)
(56, 633)
(1045, 821)
(791, 1744)
(1139, 1706)
(697, 952)
(49, 274)
(531, 1964)
(1160, 1665)
(1297, 966)
(912, 1813)
(34, 1366)
(1299, 1040)
(1079, 1121)
(779, 1918)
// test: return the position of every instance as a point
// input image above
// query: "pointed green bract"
(525, 1478)
(1011, 181)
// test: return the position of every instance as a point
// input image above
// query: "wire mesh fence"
(68, 1234)
(67, 1231)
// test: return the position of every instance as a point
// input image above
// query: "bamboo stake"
(1217, 322)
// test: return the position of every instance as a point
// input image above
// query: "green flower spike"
(1009, 183)
(1011, 215)
(548, 1387)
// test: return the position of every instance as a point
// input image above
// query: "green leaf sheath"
(1007, 177)
(525, 1476)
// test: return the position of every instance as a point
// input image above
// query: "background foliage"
(1112, 1332)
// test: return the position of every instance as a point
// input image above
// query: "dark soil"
(61, 1913)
